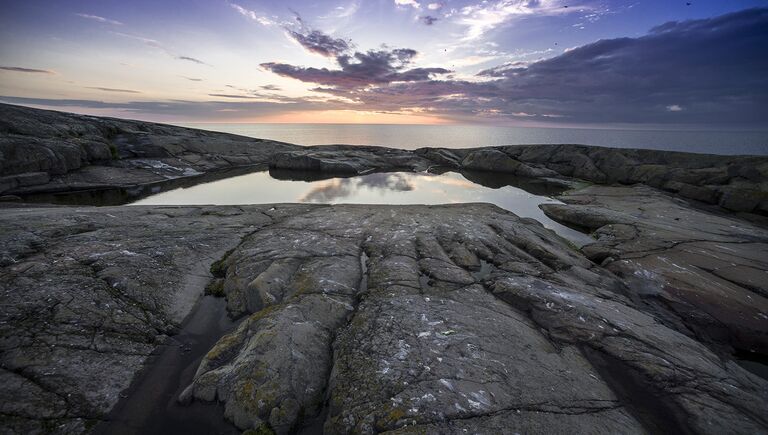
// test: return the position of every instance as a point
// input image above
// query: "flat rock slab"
(706, 273)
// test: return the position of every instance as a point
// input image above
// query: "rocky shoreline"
(48, 152)
(404, 319)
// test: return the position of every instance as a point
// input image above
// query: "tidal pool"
(376, 188)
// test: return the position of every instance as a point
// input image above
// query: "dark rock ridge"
(45, 151)
(367, 319)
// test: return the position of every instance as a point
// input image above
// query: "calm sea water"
(466, 136)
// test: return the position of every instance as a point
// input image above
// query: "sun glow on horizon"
(349, 117)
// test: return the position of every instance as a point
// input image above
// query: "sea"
(468, 136)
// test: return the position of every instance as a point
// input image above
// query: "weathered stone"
(704, 273)
(84, 152)
(423, 336)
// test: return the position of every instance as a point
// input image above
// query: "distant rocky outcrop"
(737, 183)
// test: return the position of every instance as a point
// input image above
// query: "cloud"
(713, 67)
(100, 19)
(318, 42)
(233, 96)
(191, 59)
(340, 188)
(434, 6)
(360, 70)
(264, 21)
(157, 45)
(428, 20)
(192, 79)
(26, 70)
(714, 70)
(412, 3)
(342, 12)
(271, 88)
(487, 15)
(178, 109)
(125, 91)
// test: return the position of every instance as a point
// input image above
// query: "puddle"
(239, 186)
(519, 196)
(150, 405)
(484, 272)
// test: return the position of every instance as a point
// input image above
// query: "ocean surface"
(468, 136)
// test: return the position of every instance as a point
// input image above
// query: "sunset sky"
(546, 62)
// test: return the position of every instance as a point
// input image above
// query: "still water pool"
(376, 188)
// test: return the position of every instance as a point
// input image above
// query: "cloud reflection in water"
(332, 190)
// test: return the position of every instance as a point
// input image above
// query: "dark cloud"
(191, 59)
(26, 70)
(320, 43)
(254, 93)
(360, 70)
(232, 96)
(504, 69)
(708, 71)
(428, 20)
(716, 68)
(125, 91)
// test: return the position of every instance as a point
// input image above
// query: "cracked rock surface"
(86, 296)
(439, 319)
(704, 273)
(357, 319)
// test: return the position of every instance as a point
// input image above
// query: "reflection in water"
(335, 189)
(377, 188)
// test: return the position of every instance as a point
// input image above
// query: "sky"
(617, 63)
